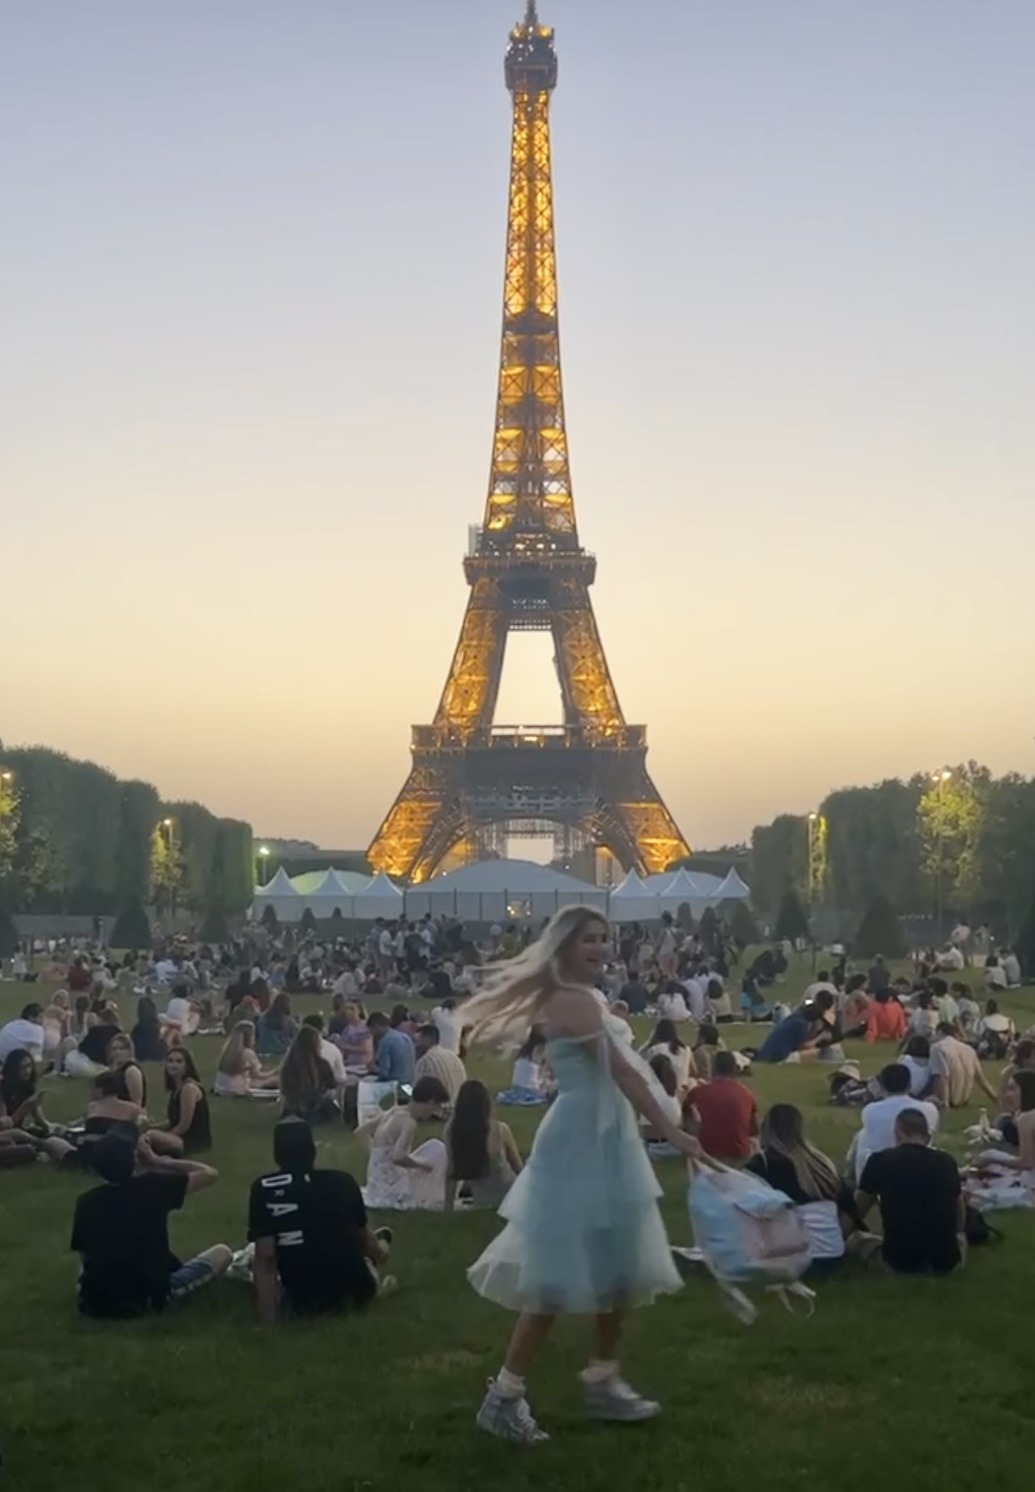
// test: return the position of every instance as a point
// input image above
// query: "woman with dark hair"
(666, 1042)
(482, 1153)
(917, 1058)
(528, 1082)
(188, 1118)
(21, 1105)
(671, 1100)
(276, 1028)
(1019, 1094)
(708, 1043)
(403, 1175)
(307, 1085)
(793, 1166)
(886, 1020)
(146, 1035)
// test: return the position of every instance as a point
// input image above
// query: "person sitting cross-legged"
(315, 1252)
(877, 1120)
(121, 1231)
(921, 1200)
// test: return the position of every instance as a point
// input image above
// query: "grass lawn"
(925, 1384)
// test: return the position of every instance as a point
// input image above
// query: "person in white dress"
(404, 1175)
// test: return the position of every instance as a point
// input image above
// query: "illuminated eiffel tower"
(472, 783)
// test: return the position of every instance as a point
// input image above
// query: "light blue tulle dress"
(583, 1234)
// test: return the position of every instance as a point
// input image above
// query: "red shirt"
(728, 1112)
(885, 1021)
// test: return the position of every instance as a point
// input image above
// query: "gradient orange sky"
(252, 275)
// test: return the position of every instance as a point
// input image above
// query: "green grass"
(924, 1384)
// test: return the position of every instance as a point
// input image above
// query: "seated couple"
(810, 1033)
(476, 1154)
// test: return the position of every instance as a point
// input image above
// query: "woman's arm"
(403, 1145)
(188, 1103)
(579, 1015)
(30, 1106)
(134, 1080)
(510, 1150)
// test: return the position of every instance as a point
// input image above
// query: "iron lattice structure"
(587, 780)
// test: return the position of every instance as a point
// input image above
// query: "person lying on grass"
(121, 1231)
(315, 1252)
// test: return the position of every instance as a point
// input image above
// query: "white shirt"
(334, 1059)
(817, 988)
(345, 984)
(527, 1074)
(919, 1074)
(878, 1124)
(995, 977)
(695, 998)
(447, 1024)
(25, 1034)
(165, 970)
(673, 1008)
(384, 944)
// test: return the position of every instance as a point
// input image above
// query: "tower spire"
(531, 14)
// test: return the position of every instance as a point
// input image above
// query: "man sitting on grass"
(801, 1035)
(310, 1228)
(921, 1201)
(955, 1069)
(121, 1231)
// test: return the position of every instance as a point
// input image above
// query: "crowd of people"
(398, 1076)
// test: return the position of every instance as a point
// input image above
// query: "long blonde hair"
(510, 999)
(240, 1040)
(783, 1132)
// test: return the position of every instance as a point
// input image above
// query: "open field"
(925, 1384)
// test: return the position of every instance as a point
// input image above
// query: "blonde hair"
(240, 1040)
(510, 999)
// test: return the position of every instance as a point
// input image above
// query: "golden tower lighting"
(586, 781)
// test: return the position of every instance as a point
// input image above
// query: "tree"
(779, 857)
(951, 817)
(791, 921)
(744, 930)
(214, 928)
(132, 928)
(308, 920)
(708, 930)
(879, 932)
(269, 918)
(8, 933)
(1025, 945)
(684, 917)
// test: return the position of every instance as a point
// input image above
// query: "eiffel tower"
(472, 783)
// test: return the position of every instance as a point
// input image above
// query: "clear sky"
(250, 283)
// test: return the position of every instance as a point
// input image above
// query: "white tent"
(330, 896)
(733, 888)
(281, 896)
(380, 897)
(502, 891)
(633, 901)
(685, 889)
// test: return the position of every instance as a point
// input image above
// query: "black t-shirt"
(919, 1191)
(122, 1234)
(198, 1138)
(94, 1045)
(317, 1221)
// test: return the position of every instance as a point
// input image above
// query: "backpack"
(994, 1046)
(748, 1234)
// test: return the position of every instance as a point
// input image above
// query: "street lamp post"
(813, 822)
(264, 860)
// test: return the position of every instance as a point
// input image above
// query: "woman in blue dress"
(584, 1235)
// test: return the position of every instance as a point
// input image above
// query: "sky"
(251, 263)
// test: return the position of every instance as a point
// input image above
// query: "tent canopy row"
(494, 891)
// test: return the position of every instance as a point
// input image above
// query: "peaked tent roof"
(683, 886)
(733, 887)
(632, 886)
(279, 886)
(379, 886)
(330, 888)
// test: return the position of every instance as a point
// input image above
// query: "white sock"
(510, 1385)
(599, 1372)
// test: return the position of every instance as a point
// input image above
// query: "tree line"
(74, 838)
(958, 842)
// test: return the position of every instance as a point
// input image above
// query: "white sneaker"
(508, 1418)
(613, 1399)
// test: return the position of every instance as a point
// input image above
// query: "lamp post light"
(264, 860)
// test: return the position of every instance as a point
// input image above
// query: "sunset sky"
(250, 283)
